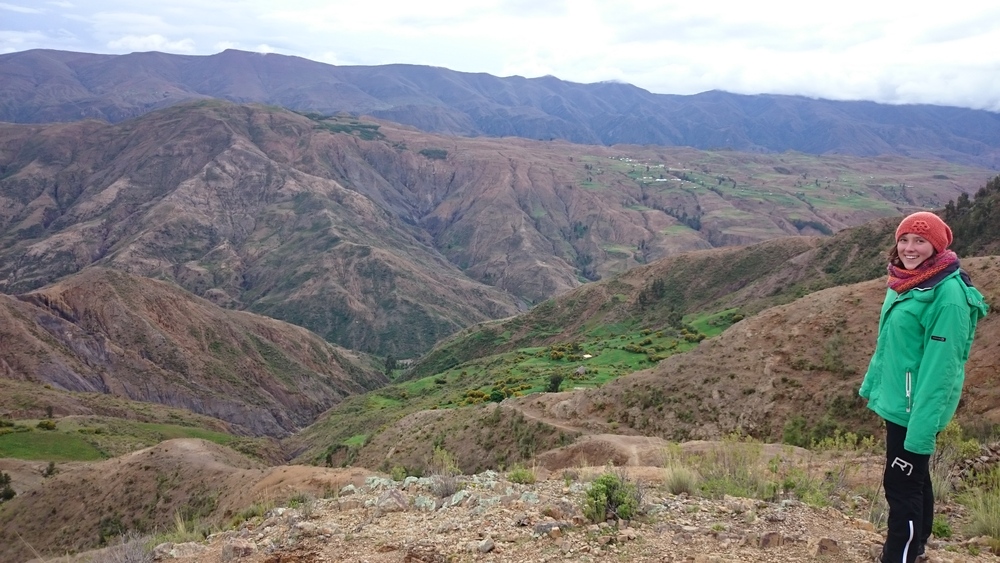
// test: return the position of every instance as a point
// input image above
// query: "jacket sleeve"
(940, 377)
(870, 378)
(866, 383)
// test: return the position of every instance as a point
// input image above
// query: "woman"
(915, 377)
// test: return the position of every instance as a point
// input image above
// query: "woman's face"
(913, 250)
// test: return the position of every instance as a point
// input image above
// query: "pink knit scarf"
(901, 279)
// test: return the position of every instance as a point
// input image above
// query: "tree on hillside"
(976, 222)
(6, 491)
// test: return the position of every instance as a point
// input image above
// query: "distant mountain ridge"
(45, 85)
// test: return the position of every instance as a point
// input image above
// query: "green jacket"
(916, 374)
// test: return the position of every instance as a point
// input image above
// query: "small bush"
(736, 469)
(444, 462)
(445, 485)
(6, 492)
(983, 502)
(941, 528)
(398, 473)
(46, 425)
(522, 475)
(612, 496)
(681, 479)
(434, 154)
(131, 549)
(555, 380)
(299, 500)
(257, 510)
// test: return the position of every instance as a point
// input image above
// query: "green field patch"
(356, 440)
(381, 402)
(676, 230)
(609, 330)
(169, 432)
(44, 445)
(713, 324)
(617, 250)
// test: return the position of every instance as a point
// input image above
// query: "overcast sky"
(889, 51)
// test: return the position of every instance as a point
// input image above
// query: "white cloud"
(13, 41)
(20, 9)
(153, 42)
(888, 50)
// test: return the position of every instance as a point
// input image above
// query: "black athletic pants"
(908, 491)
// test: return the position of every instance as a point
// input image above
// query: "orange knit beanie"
(927, 225)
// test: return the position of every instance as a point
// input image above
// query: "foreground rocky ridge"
(490, 518)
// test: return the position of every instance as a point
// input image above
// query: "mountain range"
(44, 85)
(384, 239)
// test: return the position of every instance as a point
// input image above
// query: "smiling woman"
(914, 380)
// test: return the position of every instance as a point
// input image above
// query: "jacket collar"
(938, 278)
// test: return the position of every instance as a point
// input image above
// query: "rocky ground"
(492, 519)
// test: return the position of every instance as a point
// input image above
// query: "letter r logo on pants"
(903, 465)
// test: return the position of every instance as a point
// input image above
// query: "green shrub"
(941, 528)
(256, 510)
(983, 503)
(398, 473)
(434, 154)
(443, 462)
(6, 492)
(46, 425)
(521, 474)
(612, 496)
(736, 469)
(681, 479)
(555, 380)
(132, 548)
(444, 485)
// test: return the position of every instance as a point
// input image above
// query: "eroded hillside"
(384, 239)
(104, 331)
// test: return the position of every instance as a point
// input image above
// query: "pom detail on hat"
(928, 226)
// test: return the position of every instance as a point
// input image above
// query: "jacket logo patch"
(938, 338)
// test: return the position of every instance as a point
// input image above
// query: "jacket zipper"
(909, 394)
